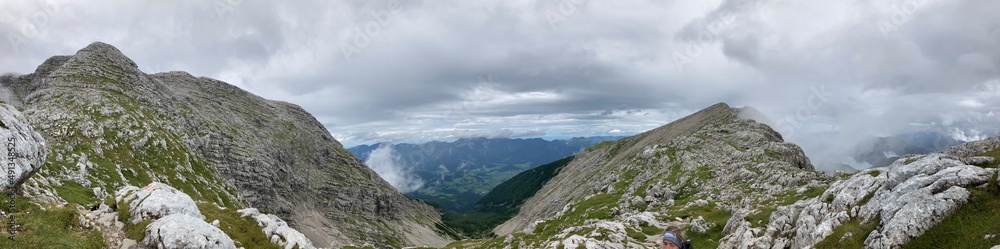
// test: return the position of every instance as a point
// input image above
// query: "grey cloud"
(502, 68)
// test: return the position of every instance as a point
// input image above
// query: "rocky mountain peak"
(108, 126)
(100, 60)
(105, 54)
(712, 162)
(51, 64)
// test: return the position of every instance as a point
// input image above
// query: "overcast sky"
(415, 71)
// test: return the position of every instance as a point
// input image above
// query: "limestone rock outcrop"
(277, 230)
(156, 200)
(181, 231)
(906, 199)
(24, 149)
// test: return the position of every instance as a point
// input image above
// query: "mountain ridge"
(729, 181)
(586, 164)
(233, 148)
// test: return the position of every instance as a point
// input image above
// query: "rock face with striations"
(109, 125)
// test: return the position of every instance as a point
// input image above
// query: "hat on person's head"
(669, 236)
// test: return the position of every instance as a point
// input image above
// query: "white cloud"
(388, 166)
(972, 103)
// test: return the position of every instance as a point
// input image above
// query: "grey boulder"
(278, 230)
(23, 143)
(156, 200)
(183, 231)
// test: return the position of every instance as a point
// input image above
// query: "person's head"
(673, 238)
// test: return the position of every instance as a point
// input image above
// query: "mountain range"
(731, 182)
(454, 175)
(882, 151)
(107, 156)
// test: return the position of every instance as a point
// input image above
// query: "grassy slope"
(170, 163)
(599, 206)
(51, 227)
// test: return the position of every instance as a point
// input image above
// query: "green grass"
(162, 160)
(859, 232)
(132, 231)
(712, 214)
(465, 244)
(600, 145)
(772, 154)
(829, 198)
(874, 173)
(996, 158)
(54, 227)
(737, 147)
(244, 231)
(473, 224)
(967, 227)
(763, 217)
(73, 192)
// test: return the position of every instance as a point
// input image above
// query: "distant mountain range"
(882, 151)
(457, 174)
